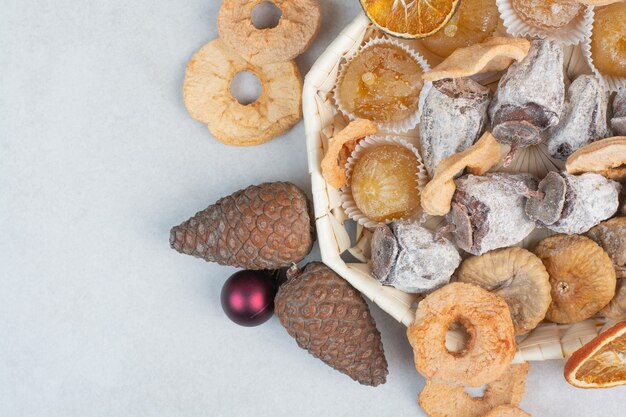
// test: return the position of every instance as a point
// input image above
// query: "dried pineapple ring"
(581, 275)
(494, 54)
(519, 277)
(452, 400)
(296, 30)
(340, 149)
(606, 157)
(478, 159)
(507, 411)
(206, 92)
(486, 319)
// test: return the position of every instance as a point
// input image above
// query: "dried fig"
(440, 400)
(453, 117)
(410, 258)
(582, 277)
(530, 97)
(584, 119)
(616, 309)
(516, 275)
(611, 236)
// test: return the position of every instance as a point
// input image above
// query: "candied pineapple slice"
(384, 183)
(608, 40)
(381, 83)
(474, 22)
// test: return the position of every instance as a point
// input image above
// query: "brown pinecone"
(331, 320)
(266, 226)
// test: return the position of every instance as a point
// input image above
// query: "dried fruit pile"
(477, 284)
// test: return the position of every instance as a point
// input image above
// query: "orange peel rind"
(340, 149)
(606, 157)
(600, 363)
(478, 159)
(494, 54)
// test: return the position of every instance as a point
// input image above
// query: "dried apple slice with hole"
(606, 157)
(494, 54)
(340, 149)
(452, 400)
(478, 159)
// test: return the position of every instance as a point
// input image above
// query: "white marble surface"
(98, 159)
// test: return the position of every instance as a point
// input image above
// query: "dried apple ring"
(206, 93)
(441, 400)
(486, 320)
(478, 159)
(340, 149)
(507, 411)
(296, 30)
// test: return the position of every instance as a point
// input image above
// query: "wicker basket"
(322, 121)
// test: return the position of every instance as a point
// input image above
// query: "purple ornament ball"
(248, 297)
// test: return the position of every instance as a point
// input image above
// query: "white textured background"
(98, 159)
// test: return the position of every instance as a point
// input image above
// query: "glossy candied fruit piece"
(384, 183)
(608, 40)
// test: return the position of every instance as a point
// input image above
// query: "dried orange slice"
(601, 363)
(410, 19)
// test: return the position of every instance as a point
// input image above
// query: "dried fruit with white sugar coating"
(530, 97)
(611, 236)
(441, 400)
(590, 198)
(618, 121)
(453, 117)
(332, 321)
(582, 277)
(547, 207)
(584, 119)
(267, 226)
(518, 276)
(410, 258)
(488, 213)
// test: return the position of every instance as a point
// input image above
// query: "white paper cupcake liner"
(401, 126)
(610, 82)
(369, 143)
(573, 33)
